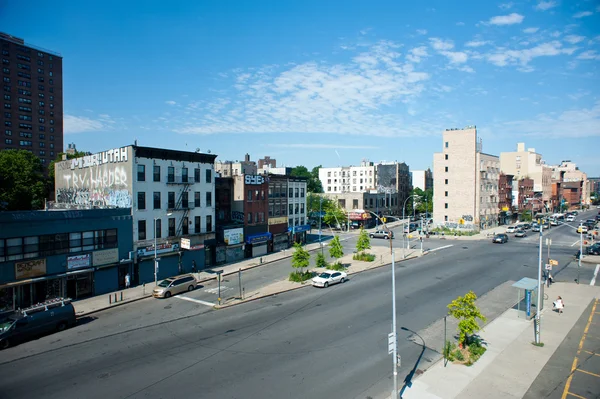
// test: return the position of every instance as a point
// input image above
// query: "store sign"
(233, 236)
(185, 243)
(160, 249)
(105, 257)
(79, 261)
(299, 229)
(196, 247)
(358, 216)
(279, 220)
(254, 179)
(30, 269)
(259, 238)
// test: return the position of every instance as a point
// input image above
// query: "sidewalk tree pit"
(300, 261)
(336, 251)
(470, 345)
(363, 243)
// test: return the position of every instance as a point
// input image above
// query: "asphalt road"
(317, 343)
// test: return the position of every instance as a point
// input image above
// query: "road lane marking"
(592, 353)
(185, 298)
(575, 243)
(587, 372)
(437, 249)
(593, 282)
(574, 366)
(216, 289)
(577, 396)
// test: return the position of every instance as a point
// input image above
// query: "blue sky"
(324, 82)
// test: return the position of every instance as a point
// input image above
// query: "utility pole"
(320, 218)
(394, 335)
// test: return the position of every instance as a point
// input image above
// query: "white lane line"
(575, 243)
(437, 249)
(593, 282)
(185, 298)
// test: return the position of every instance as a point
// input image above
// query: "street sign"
(548, 241)
(548, 267)
(391, 343)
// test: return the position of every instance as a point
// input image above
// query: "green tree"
(23, 185)
(423, 202)
(313, 184)
(300, 258)
(321, 262)
(334, 213)
(336, 250)
(364, 242)
(466, 312)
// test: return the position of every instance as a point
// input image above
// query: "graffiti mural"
(102, 180)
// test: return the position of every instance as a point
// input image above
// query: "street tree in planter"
(300, 261)
(466, 312)
(363, 243)
(336, 251)
(321, 262)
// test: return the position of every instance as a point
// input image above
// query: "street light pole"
(320, 218)
(539, 283)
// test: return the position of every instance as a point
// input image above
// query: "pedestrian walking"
(193, 266)
(559, 305)
(127, 280)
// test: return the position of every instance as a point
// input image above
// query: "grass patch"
(451, 232)
(364, 257)
(300, 277)
(541, 344)
(467, 355)
(337, 266)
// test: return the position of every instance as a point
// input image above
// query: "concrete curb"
(224, 306)
(117, 304)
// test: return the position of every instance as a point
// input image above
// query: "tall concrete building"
(422, 179)
(526, 163)
(32, 111)
(349, 179)
(568, 172)
(465, 182)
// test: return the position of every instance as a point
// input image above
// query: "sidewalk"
(511, 363)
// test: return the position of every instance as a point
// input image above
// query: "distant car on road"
(582, 229)
(382, 234)
(511, 229)
(524, 226)
(553, 222)
(410, 228)
(535, 228)
(594, 249)
(521, 233)
(175, 285)
(571, 218)
(329, 277)
(546, 225)
(500, 239)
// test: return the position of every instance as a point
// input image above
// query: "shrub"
(458, 355)
(364, 257)
(448, 350)
(476, 350)
(321, 262)
(299, 277)
(337, 266)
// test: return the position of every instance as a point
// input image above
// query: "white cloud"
(509, 19)
(455, 57)
(503, 57)
(417, 53)
(530, 30)
(573, 39)
(589, 55)
(477, 43)
(81, 124)
(583, 14)
(459, 23)
(170, 102)
(325, 146)
(568, 124)
(546, 5)
(440, 44)
(368, 95)
(506, 6)
(422, 31)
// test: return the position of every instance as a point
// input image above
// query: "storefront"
(359, 219)
(298, 233)
(281, 241)
(257, 244)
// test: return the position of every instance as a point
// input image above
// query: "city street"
(318, 343)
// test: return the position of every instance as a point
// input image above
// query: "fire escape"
(182, 201)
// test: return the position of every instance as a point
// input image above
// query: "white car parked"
(511, 229)
(570, 218)
(329, 277)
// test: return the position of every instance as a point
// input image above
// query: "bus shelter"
(527, 305)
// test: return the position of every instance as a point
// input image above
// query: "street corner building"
(62, 253)
(170, 195)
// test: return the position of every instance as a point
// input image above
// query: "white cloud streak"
(546, 5)
(583, 14)
(530, 30)
(574, 39)
(81, 124)
(509, 19)
(170, 102)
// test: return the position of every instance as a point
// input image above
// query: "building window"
(291, 209)
(141, 173)
(184, 200)
(261, 217)
(208, 223)
(208, 176)
(446, 168)
(197, 225)
(157, 200)
(291, 192)
(446, 156)
(208, 198)
(302, 208)
(446, 144)
(171, 174)
(445, 193)
(141, 200)
(196, 175)
(171, 199)
(158, 228)
(302, 192)
(171, 227)
(446, 218)
(446, 181)
(297, 192)
(141, 230)
(249, 217)
(156, 173)
(184, 175)
(185, 226)
(249, 197)
(197, 199)
(446, 205)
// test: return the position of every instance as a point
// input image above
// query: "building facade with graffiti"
(71, 253)
(171, 195)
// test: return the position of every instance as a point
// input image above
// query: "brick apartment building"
(505, 198)
(32, 109)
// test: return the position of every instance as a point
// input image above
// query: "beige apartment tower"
(465, 182)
